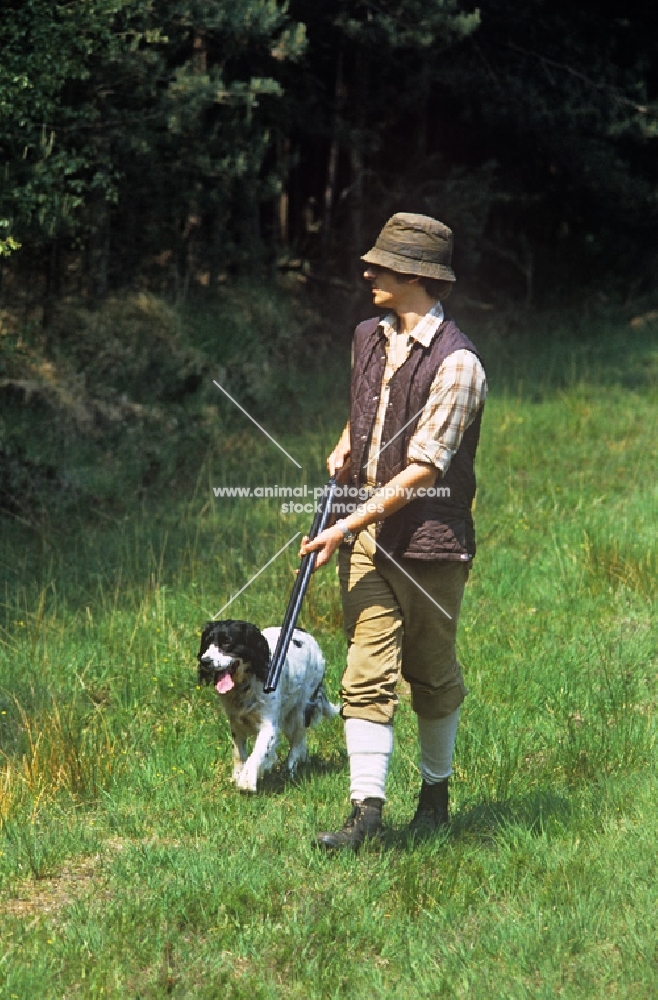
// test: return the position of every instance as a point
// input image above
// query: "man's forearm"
(398, 492)
(395, 494)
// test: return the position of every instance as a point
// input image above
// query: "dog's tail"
(319, 706)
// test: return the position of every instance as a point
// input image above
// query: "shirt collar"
(425, 328)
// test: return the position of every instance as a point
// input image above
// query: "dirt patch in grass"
(47, 896)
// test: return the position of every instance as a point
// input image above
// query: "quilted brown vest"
(428, 528)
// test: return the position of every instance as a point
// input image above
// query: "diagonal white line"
(422, 589)
(235, 402)
(261, 570)
(375, 458)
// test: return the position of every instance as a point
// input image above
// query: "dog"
(234, 656)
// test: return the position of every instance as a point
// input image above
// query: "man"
(418, 389)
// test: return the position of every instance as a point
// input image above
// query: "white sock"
(437, 743)
(369, 747)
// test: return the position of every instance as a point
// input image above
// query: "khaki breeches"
(394, 628)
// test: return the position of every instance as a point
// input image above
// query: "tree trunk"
(360, 87)
(283, 206)
(199, 55)
(356, 164)
(424, 85)
(216, 247)
(103, 251)
(52, 284)
(250, 235)
(332, 162)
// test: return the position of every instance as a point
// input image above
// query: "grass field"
(129, 867)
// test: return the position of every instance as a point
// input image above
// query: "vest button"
(364, 437)
(375, 397)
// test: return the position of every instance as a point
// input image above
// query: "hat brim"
(419, 268)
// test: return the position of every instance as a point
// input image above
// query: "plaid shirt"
(458, 391)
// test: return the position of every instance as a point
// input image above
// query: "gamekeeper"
(417, 395)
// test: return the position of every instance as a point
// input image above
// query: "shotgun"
(320, 521)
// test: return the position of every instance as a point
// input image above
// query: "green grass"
(129, 866)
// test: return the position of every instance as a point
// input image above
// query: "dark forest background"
(192, 140)
(243, 154)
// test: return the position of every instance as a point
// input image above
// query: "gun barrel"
(299, 589)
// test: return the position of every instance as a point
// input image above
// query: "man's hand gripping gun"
(320, 522)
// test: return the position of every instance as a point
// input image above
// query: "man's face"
(389, 289)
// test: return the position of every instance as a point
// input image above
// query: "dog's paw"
(237, 771)
(247, 779)
(298, 755)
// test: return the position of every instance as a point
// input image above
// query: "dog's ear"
(256, 650)
(204, 676)
(205, 638)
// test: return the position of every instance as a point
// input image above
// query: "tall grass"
(113, 758)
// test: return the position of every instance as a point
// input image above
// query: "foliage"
(113, 401)
(185, 141)
(90, 93)
(406, 24)
(566, 99)
(7, 244)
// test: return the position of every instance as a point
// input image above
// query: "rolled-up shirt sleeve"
(457, 393)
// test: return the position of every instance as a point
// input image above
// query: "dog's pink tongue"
(224, 684)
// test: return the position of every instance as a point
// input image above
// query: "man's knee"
(381, 712)
(437, 703)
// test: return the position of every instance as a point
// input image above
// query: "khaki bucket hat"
(414, 244)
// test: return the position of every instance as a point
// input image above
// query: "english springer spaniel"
(234, 657)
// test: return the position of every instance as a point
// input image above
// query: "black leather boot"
(365, 820)
(432, 811)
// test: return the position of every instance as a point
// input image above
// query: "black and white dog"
(234, 657)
